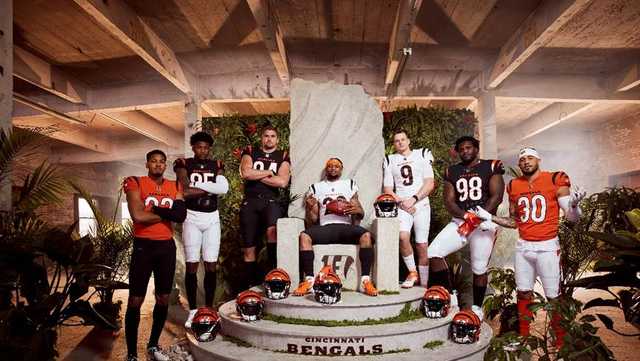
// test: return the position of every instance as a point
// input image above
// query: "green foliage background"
(432, 128)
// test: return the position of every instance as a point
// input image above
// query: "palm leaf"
(45, 185)
(14, 144)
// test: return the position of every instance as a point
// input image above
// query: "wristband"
(416, 198)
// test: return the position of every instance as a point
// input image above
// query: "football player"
(408, 177)
(203, 181)
(332, 213)
(154, 202)
(535, 200)
(472, 182)
(264, 170)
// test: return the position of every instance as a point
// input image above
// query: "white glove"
(481, 212)
(577, 194)
(488, 226)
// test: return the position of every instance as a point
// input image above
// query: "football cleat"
(436, 302)
(304, 287)
(277, 284)
(386, 206)
(465, 327)
(205, 324)
(250, 305)
(411, 280)
(368, 288)
(327, 286)
(155, 353)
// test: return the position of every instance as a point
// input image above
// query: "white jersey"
(407, 173)
(327, 191)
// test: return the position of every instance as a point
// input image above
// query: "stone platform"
(271, 340)
(354, 306)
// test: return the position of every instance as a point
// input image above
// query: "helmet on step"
(277, 284)
(327, 286)
(436, 302)
(465, 327)
(205, 324)
(386, 206)
(250, 305)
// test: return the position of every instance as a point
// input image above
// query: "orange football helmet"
(386, 206)
(327, 286)
(436, 302)
(250, 305)
(277, 284)
(205, 324)
(465, 327)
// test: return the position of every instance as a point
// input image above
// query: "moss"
(388, 293)
(236, 341)
(432, 345)
(405, 315)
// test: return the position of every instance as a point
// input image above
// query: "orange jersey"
(538, 212)
(153, 195)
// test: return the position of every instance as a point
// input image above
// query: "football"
(337, 206)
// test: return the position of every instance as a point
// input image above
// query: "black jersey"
(471, 183)
(264, 161)
(201, 171)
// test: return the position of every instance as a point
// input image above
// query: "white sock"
(424, 275)
(410, 262)
(365, 278)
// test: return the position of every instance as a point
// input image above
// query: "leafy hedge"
(433, 128)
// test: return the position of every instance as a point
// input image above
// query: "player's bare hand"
(406, 204)
(577, 194)
(310, 201)
(411, 210)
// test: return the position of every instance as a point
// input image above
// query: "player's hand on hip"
(407, 204)
(481, 213)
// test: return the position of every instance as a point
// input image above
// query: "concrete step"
(354, 306)
(227, 349)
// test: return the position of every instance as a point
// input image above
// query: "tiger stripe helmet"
(465, 327)
(327, 286)
(277, 284)
(250, 305)
(436, 302)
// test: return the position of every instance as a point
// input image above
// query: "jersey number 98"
(469, 189)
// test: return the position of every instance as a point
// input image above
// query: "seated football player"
(535, 200)
(332, 214)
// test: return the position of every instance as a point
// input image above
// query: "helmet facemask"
(250, 311)
(327, 293)
(463, 332)
(435, 308)
(277, 289)
(386, 207)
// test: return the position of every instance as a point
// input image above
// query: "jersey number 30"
(469, 189)
(536, 209)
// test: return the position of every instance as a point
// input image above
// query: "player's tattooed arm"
(280, 179)
(450, 201)
(496, 192)
(355, 209)
(508, 222)
(137, 210)
(248, 173)
(312, 210)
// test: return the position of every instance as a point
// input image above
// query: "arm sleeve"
(572, 213)
(428, 163)
(177, 213)
(387, 180)
(220, 186)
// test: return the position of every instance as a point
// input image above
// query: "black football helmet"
(277, 284)
(386, 206)
(250, 305)
(327, 286)
(205, 324)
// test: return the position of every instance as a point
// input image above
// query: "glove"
(577, 194)
(482, 213)
(488, 226)
(471, 222)
(177, 213)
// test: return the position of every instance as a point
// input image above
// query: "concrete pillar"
(192, 122)
(386, 231)
(6, 86)
(487, 126)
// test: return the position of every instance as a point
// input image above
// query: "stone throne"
(334, 120)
